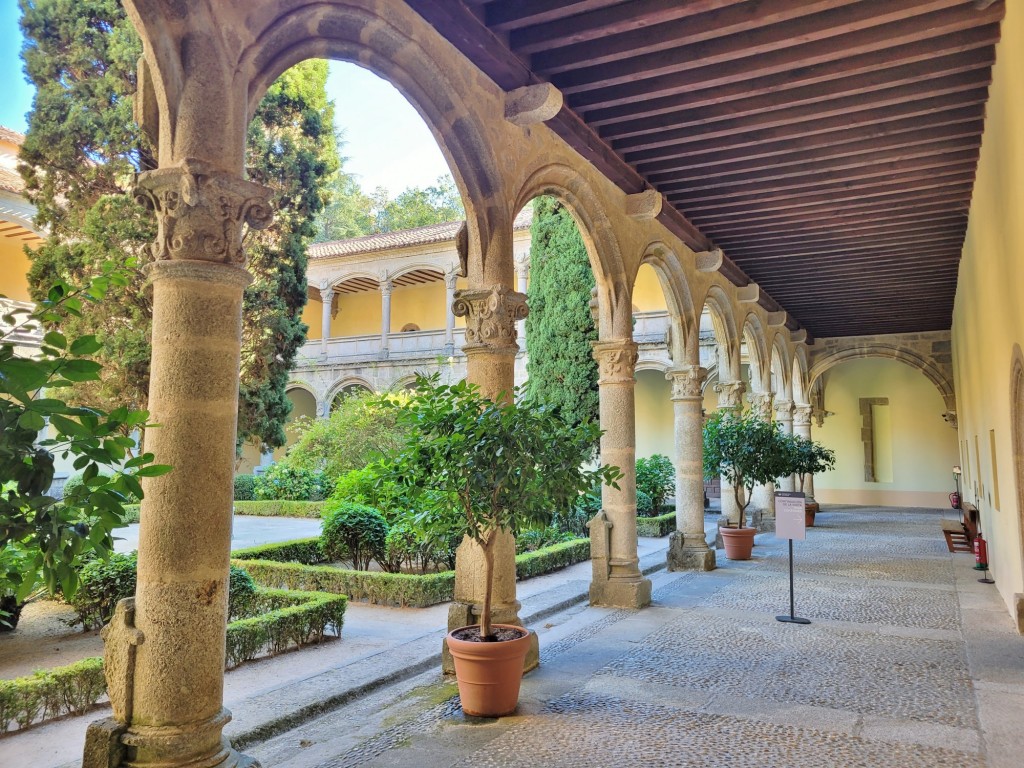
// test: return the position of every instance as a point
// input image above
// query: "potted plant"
(506, 464)
(745, 450)
(811, 458)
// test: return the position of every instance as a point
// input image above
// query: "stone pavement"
(909, 661)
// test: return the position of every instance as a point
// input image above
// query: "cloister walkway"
(909, 662)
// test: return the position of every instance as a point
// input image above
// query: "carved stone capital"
(950, 418)
(687, 382)
(616, 361)
(761, 403)
(784, 410)
(326, 293)
(451, 279)
(200, 211)
(730, 393)
(802, 416)
(385, 287)
(491, 315)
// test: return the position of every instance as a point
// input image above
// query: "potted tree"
(505, 464)
(745, 450)
(810, 458)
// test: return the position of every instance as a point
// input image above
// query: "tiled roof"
(11, 182)
(6, 134)
(433, 233)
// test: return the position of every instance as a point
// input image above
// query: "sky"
(388, 144)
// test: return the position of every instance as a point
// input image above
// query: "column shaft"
(449, 298)
(784, 417)
(802, 428)
(327, 296)
(730, 395)
(385, 316)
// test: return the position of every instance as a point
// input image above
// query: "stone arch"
(798, 381)
(357, 274)
(726, 334)
(387, 45)
(301, 386)
(683, 346)
(780, 368)
(653, 364)
(1017, 436)
(349, 382)
(886, 352)
(402, 383)
(406, 268)
(571, 188)
(757, 353)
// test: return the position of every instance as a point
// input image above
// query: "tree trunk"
(485, 614)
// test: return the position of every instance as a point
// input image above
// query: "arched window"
(408, 327)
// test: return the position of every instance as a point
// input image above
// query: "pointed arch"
(666, 264)
(1017, 436)
(757, 353)
(800, 385)
(780, 368)
(726, 334)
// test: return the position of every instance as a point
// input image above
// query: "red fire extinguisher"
(980, 553)
(954, 500)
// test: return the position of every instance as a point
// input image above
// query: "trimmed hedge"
(662, 525)
(279, 508)
(287, 619)
(281, 566)
(49, 693)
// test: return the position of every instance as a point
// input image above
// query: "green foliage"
(50, 693)
(416, 207)
(533, 539)
(644, 504)
(353, 532)
(656, 527)
(79, 160)
(241, 593)
(43, 540)
(552, 558)
(245, 487)
(505, 464)
(559, 329)
(286, 483)
(280, 508)
(77, 479)
(307, 551)
(809, 458)
(372, 485)
(361, 429)
(656, 477)
(745, 450)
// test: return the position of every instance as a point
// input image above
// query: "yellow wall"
(916, 449)
(312, 315)
(654, 415)
(647, 293)
(14, 266)
(988, 319)
(419, 304)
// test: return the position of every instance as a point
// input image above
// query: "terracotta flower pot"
(489, 673)
(810, 510)
(739, 542)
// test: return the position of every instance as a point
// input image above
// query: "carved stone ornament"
(120, 639)
(687, 381)
(950, 418)
(761, 403)
(200, 211)
(802, 416)
(616, 361)
(784, 410)
(730, 393)
(491, 315)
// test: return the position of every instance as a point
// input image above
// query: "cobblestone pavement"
(889, 672)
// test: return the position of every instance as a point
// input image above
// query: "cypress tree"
(79, 158)
(559, 329)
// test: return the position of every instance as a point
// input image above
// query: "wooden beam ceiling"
(828, 146)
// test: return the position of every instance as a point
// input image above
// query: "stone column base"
(764, 523)
(621, 593)
(1018, 610)
(464, 615)
(692, 556)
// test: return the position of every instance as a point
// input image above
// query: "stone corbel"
(532, 104)
(798, 336)
(950, 418)
(709, 261)
(748, 294)
(491, 315)
(644, 206)
(777, 319)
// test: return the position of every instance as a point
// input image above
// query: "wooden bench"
(960, 534)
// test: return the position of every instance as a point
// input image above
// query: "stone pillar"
(623, 585)
(762, 498)
(327, 297)
(802, 428)
(730, 395)
(385, 316)
(687, 546)
(450, 279)
(491, 316)
(784, 418)
(167, 691)
(522, 277)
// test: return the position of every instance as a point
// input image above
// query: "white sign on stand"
(790, 520)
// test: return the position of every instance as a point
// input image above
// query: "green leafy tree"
(419, 207)
(559, 329)
(79, 158)
(44, 540)
(506, 464)
(656, 477)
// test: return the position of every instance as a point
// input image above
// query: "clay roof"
(11, 182)
(432, 233)
(6, 134)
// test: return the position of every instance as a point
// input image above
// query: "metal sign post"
(790, 523)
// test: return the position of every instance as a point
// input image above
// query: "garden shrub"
(656, 477)
(552, 558)
(533, 539)
(644, 504)
(241, 593)
(353, 532)
(305, 551)
(284, 483)
(405, 546)
(245, 487)
(49, 693)
(280, 508)
(662, 525)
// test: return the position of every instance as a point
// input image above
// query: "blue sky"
(388, 143)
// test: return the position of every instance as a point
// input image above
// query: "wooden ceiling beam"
(508, 17)
(854, 243)
(716, 85)
(906, 259)
(824, 281)
(754, 248)
(872, 229)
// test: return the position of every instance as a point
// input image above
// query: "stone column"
(165, 652)
(491, 316)
(687, 545)
(327, 297)
(522, 277)
(784, 418)
(450, 280)
(730, 395)
(802, 428)
(385, 316)
(762, 499)
(618, 581)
